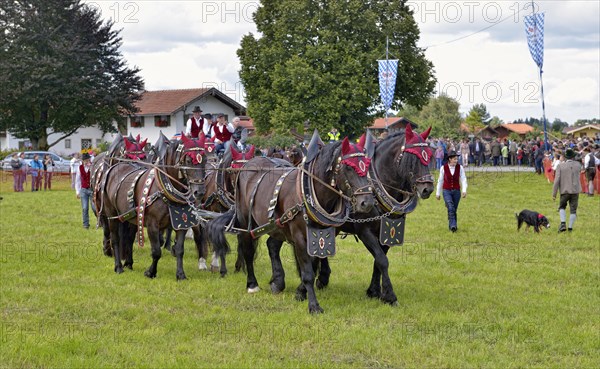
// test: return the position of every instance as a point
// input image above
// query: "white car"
(60, 165)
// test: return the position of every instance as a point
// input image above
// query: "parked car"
(60, 165)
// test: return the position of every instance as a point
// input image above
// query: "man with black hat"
(197, 124)
(566, 180)
(453, 182)
(589, 164)
(82, 187)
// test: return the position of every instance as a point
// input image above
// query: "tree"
(558, 125)
(60, 70)
(482, 112)
(441, 113)
(474, 120)
(496, 121)
(316, 61)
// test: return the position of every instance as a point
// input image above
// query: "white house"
(166, 111)
(169, 110)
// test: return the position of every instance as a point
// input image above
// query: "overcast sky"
(478, 48)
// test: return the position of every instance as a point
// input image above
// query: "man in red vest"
(82, 188)
(453, 182)
(221, 133)
(197, 124)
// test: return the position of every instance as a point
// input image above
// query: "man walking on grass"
(566, 180)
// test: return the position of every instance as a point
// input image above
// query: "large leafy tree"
(441, 113)
(60, 70)
(316, 61)
(474, 121)
(483, 113)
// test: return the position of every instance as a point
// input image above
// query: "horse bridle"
(182, 152)
(428, 178)
(364, 190)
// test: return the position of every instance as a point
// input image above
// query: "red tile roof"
(520, 128)
(166, 102)
(379, 123)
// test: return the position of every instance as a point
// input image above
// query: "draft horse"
(299, 205)
(156, 198)
(400, 174)
(220, 197)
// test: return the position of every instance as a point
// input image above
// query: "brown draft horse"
(220, 197)
(338, 175)
(148, 193)
(400, 171)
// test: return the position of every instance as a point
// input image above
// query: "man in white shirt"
(453, 183)
(74, 164)
(197, 124)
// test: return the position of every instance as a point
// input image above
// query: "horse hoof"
(128, 266)
(107, 252)
(181, 277)
(300, 296)
(373, 294)
(253, 289)
(202, 265)
(316, 310)
(149, 274)
(275, 289)
(320, 285)
(119, 270)
(214, 268)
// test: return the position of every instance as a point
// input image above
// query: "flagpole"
(387, 41)
(546, 144)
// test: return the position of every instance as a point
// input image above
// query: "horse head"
(192, 163)
(239, 158)
(134, 150)
(350, 175)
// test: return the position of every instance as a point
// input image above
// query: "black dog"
(532, 218)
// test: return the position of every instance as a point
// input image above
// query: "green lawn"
(486, 296)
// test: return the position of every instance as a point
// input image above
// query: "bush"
(7, 152)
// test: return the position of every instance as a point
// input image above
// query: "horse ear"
(425, 134)
(345, 146)
(127, 143)
(409, 133)
(370, 144)
(184, 139)
(235, 155)
(251, 152)
(143, 144)
(138, 138)
(201, 139)
(361, 142)
(313, 146)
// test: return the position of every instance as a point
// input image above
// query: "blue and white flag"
(388, 70)
(534, 28)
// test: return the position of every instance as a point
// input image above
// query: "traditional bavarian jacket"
(194, 126)
(450, 178)
(82, 179)
(222, 132)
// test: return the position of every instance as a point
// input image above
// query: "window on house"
(162, 120)
(67, 143)
(137, 121)
(86, 143)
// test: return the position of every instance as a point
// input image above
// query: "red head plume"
(410, 136)
(345, 146)
(138, 138)
(235, 155)
(362, 141)
(425, 134)
(143, 143)
(251, 152)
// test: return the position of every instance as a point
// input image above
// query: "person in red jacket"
(82, 188)
(453, 182)
(221, 133)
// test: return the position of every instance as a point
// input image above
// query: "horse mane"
(325, 160)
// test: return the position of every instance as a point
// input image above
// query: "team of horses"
(365, 188)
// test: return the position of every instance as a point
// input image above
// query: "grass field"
(486, 296)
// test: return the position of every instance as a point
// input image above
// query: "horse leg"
(106, 246)
(179, 241)
(247, 245)
(127, 240)
(239, 262)
(154, 236)
(307, 275)
(114, 240)
(277, 281)
(324, 273)
(385, 290)
(214, 262)
(200, 247)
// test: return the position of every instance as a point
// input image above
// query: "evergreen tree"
(60, 70)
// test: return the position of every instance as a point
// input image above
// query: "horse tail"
(216, 232)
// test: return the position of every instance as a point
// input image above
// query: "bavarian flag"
(387, 81)
(534, 28)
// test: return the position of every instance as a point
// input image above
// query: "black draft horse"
(152, 191)
(400, 165)
(267, 186)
